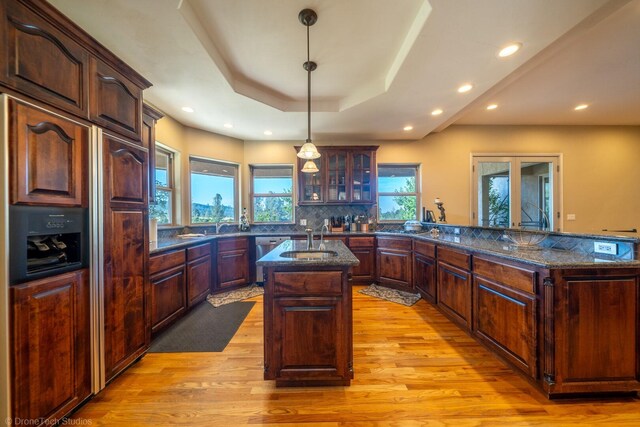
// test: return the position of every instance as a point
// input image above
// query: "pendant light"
(308, 151)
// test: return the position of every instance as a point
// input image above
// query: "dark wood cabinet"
(167, 281)
(40, 60)
(425, 270)
(592, 330)
(232, 263)
(126, 297)
(394, 263)
(347, 175)
(198, 273)
(150, 117)
(505, 312)
(454, 285)
(308, 327)
(48, 158)
(116, 102)
(364, 249)
(51, 349)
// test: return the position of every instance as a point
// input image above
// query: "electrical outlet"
(456, 230)
(605, 248)
(571, 217)
(303, 222)
(326, 222)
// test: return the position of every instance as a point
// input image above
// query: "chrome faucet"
(324, 227)
(309, 232)
(218, 227)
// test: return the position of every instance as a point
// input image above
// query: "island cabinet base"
(308, 327)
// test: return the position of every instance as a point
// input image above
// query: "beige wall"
(600, 173)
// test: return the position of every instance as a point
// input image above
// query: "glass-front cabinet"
(347, 175)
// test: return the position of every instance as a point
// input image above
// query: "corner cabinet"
(347, 175)
(394, 263)
(232, 263)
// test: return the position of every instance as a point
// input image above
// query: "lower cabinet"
(454, 285)
(232, 263)
(168, 288)
(425, 270)
(198, 273)
(394, 263)
(50, 338)
(364, 249)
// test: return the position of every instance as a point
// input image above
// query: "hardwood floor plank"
(412, 367)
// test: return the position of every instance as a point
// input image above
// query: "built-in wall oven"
(46, 241)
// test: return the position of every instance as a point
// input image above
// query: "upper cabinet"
(116, 103)
(347, 175)
(48, 158)
(42, 61)
(150, 117)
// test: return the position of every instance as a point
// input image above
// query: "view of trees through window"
(272, 193)
(213, 191)
(162, 209)
(397, 193)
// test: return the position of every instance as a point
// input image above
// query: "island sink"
(308, 254)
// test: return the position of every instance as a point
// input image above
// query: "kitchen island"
(308, 332)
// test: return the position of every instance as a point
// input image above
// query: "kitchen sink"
(309, 254)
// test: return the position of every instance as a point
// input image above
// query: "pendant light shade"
(310, 167)
(308, 151)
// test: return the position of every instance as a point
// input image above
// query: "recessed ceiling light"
(492, 106)
(465, 88)
(408, 128)
(436, 112)
(228, 125)
(187, 109)
(268, 132)
(509, 50)
(581, 107)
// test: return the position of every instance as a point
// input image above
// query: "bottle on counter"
(244, 221)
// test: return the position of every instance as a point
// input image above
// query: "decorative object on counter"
(244, 221)
(204, 329)
(435, 233)
(393, 295)
(235, 295)
(308, 151)
(412, 225)
(153, 229)
(429, 216)
(440, 205)
(527, 239)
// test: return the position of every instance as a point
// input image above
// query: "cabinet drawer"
(424, 248)
(458, 259)
(166, 261)
(296, 283)
(342, 239)
(513, 277)
(399, 243)
(198, 251)
(232, 244)
(361, 242)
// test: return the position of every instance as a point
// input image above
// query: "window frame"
(171, 181)
(416, 194)
(236, 189)
(253, 195)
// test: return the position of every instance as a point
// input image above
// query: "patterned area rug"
(393, 295)
(235, 295)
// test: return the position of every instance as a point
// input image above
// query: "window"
(214, 191)
(398, 192)
(516, 191)
(162, 210)
(272, 193)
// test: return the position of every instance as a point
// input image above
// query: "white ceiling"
(382, 64)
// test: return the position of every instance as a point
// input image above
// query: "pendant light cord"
(308, 90)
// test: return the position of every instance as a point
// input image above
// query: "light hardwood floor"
(412, 367)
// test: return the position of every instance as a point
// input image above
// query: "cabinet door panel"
(424, 278)
(126, 332)
(198, 279)
(394, 269)
(168, 299)
(233, 268)
(454, 293)
(51, 349)
(48, 158)
(41, 61)
(506, 320)
(126, 172)
(365, 271)
(116, 103)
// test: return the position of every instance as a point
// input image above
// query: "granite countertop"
(343, 258)
(541, 257)
(544, 257)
